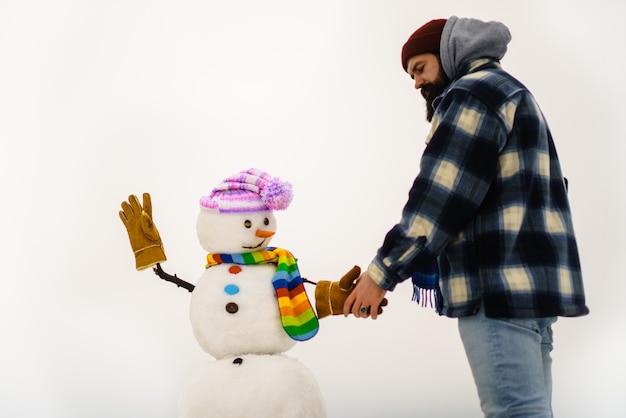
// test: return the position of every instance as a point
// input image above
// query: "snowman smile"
(251, 247)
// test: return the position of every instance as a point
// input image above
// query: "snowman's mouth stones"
(255, 246)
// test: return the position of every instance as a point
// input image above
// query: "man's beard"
(431, 90)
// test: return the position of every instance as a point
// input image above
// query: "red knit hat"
(425, 39)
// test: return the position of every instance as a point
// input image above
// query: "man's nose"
(419, 82)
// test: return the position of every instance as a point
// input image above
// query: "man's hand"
(366, 298)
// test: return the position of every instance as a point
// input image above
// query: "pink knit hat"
(252, 190)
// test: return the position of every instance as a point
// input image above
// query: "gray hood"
(465, 39)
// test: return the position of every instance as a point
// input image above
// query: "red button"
(234, 269)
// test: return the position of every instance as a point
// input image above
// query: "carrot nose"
(264, 234)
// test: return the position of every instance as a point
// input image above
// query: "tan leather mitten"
(331, 296)
(142, 232)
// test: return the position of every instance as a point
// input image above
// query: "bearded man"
(486, 234)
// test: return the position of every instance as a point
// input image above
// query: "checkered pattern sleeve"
(457, 169)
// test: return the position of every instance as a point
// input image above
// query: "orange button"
(234, 269)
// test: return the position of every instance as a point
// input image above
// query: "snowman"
(249, 306)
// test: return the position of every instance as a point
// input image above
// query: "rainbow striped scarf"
(297, 315)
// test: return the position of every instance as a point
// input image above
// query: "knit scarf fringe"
(426, 291)
(297, 316)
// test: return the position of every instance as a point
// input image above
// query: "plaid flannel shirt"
(491, 204)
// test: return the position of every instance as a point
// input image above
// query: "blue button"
(231, 289)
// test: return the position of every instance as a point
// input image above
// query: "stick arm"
(173, 279)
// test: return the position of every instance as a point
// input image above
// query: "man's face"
(426, 71)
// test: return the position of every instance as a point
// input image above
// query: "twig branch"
(305, 280)
(174, 279)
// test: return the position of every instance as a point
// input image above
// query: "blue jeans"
(511, 364)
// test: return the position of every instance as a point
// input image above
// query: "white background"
(101, 99)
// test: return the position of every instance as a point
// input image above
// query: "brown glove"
(143, 234)
(330, 296)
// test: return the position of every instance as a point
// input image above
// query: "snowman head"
(238, 216)
(234, 233)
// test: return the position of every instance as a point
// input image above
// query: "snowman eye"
(247, 223)
(266, 221)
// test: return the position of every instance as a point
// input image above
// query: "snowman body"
(253, 385)
(233, 311)
(235, 318)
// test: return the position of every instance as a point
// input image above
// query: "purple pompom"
(276, 194)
